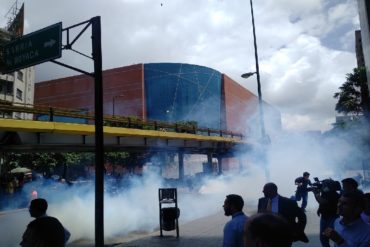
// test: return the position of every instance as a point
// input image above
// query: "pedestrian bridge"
(30, 135)
(53, 129)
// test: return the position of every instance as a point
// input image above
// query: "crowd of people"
(344, 212)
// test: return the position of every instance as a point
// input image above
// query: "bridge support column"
(181, 165)
(209, 168)
(219, 165)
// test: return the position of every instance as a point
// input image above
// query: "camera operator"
(327, 196)
(302, 191)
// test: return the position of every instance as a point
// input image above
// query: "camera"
(326, 185)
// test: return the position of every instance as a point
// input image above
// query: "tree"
(116, 158)
(353, 97)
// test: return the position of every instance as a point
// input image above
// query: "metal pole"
(260, 103)
(99, 137)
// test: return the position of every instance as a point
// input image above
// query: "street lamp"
(247, 75)
(257, 72)
(114, 101)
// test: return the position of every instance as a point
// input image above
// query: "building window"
(3, 85)
(20, 75)
(9, 88)
(5, 114)
(19, 94)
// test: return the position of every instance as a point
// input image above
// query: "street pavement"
(202, 232)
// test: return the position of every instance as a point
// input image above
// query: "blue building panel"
(62, 119)
(183, 92)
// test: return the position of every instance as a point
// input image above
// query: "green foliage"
(353, 97)
(187, 126)
(71, 158)
(46, 162)
(138, 123)
(41, 162)
(125, 122)
(354, 102)
(87, 158)
(116, 157)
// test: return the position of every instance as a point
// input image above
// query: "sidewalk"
(205, 232)
(208, 231)
(202, 232)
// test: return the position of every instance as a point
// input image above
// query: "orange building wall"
(239, 105)
(241, 110)
(124, 86)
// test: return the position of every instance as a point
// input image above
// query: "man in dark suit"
(272, 202)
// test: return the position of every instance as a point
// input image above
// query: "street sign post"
(34, 48)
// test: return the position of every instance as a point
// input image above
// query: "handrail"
(114, 121)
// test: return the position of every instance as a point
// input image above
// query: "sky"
(305, 48)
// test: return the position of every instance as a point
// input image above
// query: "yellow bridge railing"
(115, 121)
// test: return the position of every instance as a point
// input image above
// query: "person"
(302, 191)
(350, 229)
(365, 215)
(44, 230)
(285, 207)
(327, 197)
(268, 230)
(233, 230)
(350, 185)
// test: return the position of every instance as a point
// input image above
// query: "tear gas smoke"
(136, 208)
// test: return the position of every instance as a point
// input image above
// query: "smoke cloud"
(135, 209)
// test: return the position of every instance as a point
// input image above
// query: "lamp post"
(257, 72)
(114, 102)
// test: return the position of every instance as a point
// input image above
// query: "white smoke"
(136, 209)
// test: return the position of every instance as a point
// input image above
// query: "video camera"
(326, 185)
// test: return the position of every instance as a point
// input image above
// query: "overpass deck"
(30, 135)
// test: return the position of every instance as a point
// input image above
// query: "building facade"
(364, 13)
(17, 87)
(173, 92)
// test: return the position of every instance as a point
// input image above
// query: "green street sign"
(34, 48)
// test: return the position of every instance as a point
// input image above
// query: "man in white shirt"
(350, 230)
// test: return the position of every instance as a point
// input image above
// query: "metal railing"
(115, 121)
